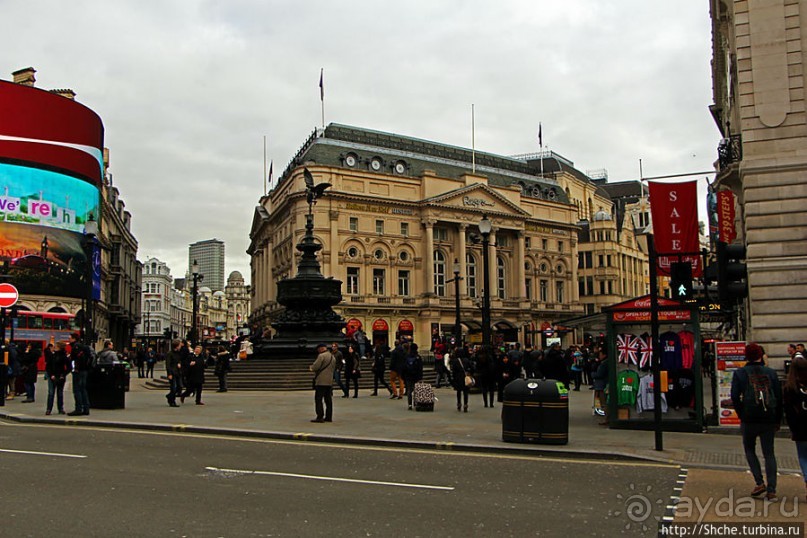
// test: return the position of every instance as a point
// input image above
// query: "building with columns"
(402, 216)
(759, 53)
(238, 297)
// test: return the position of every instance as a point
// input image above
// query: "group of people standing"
(185, 367)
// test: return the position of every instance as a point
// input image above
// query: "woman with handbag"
(352, 369)
(462, 378)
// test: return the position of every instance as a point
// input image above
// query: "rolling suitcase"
(423, 397)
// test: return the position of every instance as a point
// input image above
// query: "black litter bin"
(106, 386)
(536, 411)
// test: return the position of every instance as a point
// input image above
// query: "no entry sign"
(8, 295)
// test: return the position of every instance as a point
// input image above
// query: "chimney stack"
(67, 92)
(25, 76)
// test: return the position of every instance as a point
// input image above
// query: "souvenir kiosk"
(630, 399)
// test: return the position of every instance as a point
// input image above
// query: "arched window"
(501, 280)
(439, 273)
(470, 277)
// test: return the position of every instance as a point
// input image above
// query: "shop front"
(380, 332)
(631, 388)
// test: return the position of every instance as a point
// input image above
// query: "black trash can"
(536, 411)
(106, 386)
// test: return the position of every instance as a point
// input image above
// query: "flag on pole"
(540, 136)
(321, 85)
(271, 164)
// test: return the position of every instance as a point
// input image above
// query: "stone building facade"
(403, 212)
(759, 49)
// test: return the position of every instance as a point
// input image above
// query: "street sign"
(8, 295)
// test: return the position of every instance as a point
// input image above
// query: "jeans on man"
(80, 392)
(337, 376)
(56, 388)
(766, 433)
(30, 391)
(801, 450)
(174, 389)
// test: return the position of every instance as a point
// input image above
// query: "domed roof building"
(238, 303)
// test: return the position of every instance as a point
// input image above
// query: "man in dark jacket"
(195, 375)
(173, 367)
(757, 397)
(554, 365)
(396, 368)
(81, 358)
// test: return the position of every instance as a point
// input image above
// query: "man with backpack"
(757, 397)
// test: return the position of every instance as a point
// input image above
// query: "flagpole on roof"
(264, 165)
(473, 141)
(541, 146)
(322, 94)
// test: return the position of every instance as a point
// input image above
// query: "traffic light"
(681, 280)
(732, 274)
(167, 333)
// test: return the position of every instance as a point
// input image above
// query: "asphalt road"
(72, 481)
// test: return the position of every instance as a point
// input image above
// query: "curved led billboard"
(51, 170)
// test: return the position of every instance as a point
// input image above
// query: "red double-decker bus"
(41, 329)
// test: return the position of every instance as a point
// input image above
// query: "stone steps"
(289, 374)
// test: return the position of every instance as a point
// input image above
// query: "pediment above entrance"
(477, 197)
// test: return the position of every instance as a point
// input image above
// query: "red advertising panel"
(380, 325)
(405, 326)
(674, 208)
(725, 216)
(51, 169)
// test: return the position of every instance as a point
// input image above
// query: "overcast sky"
(187, 89)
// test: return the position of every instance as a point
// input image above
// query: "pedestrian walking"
(352, 369)
(413, 371)
(600, 377)
(141, 362)
(195, 373)
(173, 368)
(57, 366)
(462, 379)
(151, 360)
(338, 368)
(396, 368)
(795, 403)
(222, 367)
(81, 358)
(379, 369)
(757, 398)
(323, 368)
(28, 364)
(485, 375)
(577, 369)
(13, 369)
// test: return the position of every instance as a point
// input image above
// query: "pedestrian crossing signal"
(681, 281)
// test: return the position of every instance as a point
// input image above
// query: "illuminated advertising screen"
(51, 167)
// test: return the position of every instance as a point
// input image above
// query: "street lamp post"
(90, 233)
(456, 281)
(194, 297)
(485, 227)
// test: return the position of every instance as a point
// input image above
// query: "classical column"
(428, 256)
(271, 293)
(461, 228)
(521, 276)
(333, 247)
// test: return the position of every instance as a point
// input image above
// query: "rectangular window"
(581, 287)
(544, 244)
(405, 229)
(527, 242)
(580, 260)
(440, 234)
(560, 290)
(602, 288)
(600, 261)
(608, 260)
(379, 226)
(403, 283)
(560, 246)
(544, 291)
(502, 241)
(610, 288)
(352, 280)
(378, 282)
(589, 262)
(590, 285)
(354, 224)
(528, 288)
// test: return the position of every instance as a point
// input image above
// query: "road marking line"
(32, 453)
(538, 457)
(330, 478)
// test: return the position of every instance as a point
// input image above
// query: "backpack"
(411, 366)
(759, 400)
